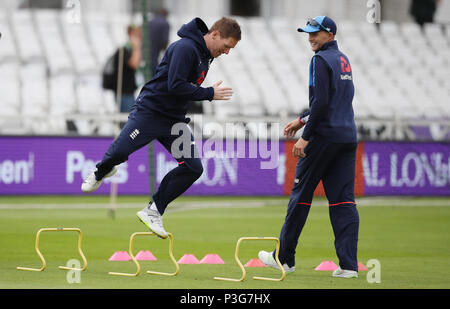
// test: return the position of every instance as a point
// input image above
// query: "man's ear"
(215, 34)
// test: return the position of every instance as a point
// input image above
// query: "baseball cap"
(318, 23)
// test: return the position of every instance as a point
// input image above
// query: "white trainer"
(267, 258)
(153, 220)
(90, 184)
(343, 273)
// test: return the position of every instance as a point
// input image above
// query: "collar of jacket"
(328, 45)
(195, 30)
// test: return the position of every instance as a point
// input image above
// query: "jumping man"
(162, 103)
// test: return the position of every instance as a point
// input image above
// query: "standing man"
(423, 10)
(129, 56)
(162, 104)
(132, 61)
(326, 151)
(158, 34)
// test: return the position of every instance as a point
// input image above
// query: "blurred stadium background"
(56, 121)
(52, 53)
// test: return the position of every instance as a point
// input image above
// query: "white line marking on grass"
(245, 203)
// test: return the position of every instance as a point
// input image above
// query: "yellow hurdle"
(138, 267)
(244, 273)
(58, 229)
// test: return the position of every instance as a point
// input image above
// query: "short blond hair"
(227, 27)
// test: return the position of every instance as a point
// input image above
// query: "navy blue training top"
(331, 93)
(178, 77)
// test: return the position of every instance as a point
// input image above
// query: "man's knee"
(198, 170)
(196, 167)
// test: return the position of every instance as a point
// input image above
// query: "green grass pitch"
(411, 243)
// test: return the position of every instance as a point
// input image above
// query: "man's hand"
(136, 39)
(292, 127)
(299, 148)
(222, 93)
(136, 55)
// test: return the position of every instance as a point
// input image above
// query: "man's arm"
(165, 36)
(182, 60)
(136, 54)
(319, 105)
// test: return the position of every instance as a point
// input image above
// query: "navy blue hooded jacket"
(331, 93)
(178, 77)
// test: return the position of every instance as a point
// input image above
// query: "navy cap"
(319, 23)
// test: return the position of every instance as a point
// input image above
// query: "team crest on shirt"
(201, 78)
(345, 68)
